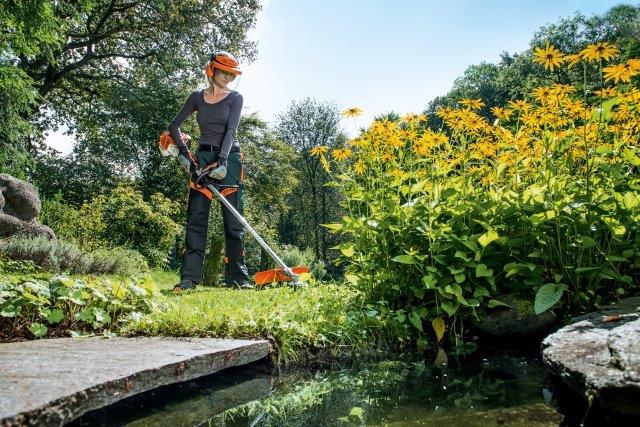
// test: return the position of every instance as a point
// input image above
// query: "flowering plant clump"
(541, 202)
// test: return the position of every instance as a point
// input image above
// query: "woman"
(218, 112)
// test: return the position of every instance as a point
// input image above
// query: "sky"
(379, 55)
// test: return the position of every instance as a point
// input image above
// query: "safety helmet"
(224, 61)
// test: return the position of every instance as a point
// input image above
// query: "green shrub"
(132, 222)
(79, 226)
(58, 255)
(294, 256)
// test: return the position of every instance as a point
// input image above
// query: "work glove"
(220, 170)
(183, 157)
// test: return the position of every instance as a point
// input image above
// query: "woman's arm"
(188, 108)
(232, 127)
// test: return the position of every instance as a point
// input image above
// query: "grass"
(303, 325)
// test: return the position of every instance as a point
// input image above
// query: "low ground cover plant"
(542, 201)
(35, 303)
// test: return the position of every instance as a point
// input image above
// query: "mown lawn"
(303, 324)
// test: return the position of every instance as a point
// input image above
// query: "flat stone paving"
(53, 381)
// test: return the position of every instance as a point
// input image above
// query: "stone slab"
(599, 356)
(53, 381)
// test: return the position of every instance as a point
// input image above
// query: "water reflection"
(498, 389)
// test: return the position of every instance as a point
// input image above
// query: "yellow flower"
(607, 92)
(351, 112)
(622, 72)
(360, 167)
(341, 153)
(573, 59)
(519, 105)
(472, 104)
(386, 157)
(501, 113)
(598, 51)
(634, 64)
(413, 119)
(550, 57)
(318, 150)
(543, 94)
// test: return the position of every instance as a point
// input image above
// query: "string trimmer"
(201, 178)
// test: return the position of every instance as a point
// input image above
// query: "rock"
(53, 381)
(599, 356)
(21, 198)
(515, 321)
(19, 207)
(10, 225)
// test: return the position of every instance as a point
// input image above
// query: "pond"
(496, 388)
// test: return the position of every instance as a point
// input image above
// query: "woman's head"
(222, 68)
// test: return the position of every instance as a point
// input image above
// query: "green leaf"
(347, 251)
(585, 269)
(334, 226)
(10, 311)
(547, 296)
(38, 329)
(430, 281)
(450, 307)
(86, 315)
(538, 218)
(481, 291)
(55, 316)
(483, 271)
(405, 259)
(357, 412)
(101, 315)
(587, 242)
(421, 343)
(415, 320)
(495, 303)
(487, 238)
(418, 292)
(459, 278)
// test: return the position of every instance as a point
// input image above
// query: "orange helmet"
(224, 61)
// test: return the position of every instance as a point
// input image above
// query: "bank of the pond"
(321, 321)
(303, 324)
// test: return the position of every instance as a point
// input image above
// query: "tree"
(108, 42)
(27, 29)
(306, 124)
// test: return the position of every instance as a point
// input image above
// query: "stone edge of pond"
(598, 355)
(205, 356)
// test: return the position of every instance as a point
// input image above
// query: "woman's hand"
(221, 169)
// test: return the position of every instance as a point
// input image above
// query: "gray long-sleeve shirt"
(218, 122)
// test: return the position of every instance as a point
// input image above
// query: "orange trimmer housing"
(276, 275)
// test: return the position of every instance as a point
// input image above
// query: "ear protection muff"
(209, 68)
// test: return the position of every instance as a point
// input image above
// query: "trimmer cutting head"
(269, 277)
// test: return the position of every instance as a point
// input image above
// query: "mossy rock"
(517, 320)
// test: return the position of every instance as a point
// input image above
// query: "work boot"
(246, 285)
(185, 284)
